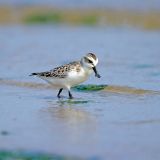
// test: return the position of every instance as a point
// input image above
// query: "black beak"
(96, 73)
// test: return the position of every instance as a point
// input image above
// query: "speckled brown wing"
(62, 71)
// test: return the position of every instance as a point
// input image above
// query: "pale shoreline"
(106, 88)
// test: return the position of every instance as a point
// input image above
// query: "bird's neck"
(88, 70)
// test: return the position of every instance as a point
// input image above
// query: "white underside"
(73, 79)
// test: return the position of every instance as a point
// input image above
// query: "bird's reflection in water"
(69, 126)
(71, 111)
(69, 121)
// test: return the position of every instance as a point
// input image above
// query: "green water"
(4, 155)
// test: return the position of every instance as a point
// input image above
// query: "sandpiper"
(72, 74)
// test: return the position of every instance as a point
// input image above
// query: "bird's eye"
(89, 61)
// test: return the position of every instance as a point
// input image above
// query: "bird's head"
(90, 61)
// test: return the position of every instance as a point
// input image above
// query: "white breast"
(75, 78)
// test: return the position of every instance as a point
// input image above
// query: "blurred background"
(143, 14)
(126, 33)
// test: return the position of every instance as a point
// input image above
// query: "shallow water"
(96, 124)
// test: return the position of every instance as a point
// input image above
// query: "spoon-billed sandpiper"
(72, 74)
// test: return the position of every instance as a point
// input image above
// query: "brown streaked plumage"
(72, 74)
(62, 71)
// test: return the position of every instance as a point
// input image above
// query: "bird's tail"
(33, 74)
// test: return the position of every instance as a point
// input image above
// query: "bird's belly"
(73, 81)
(55, 82)
(66, 82)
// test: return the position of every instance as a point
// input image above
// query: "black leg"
(70, 95)
(58, 95)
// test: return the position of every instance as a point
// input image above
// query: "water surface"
(96, 124)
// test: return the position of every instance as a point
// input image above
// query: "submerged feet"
(69, 93)
(58, 95)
